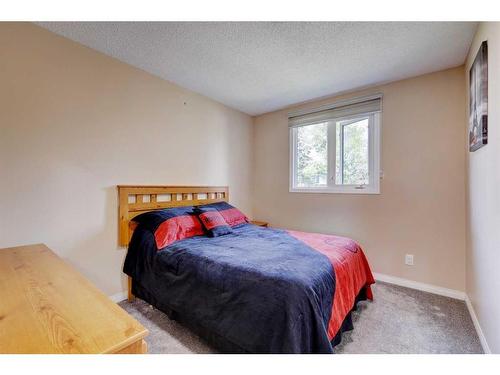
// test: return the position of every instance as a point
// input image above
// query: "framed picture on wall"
(478, 99)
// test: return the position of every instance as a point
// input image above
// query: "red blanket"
(352, 272)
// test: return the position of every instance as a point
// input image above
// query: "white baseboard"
(456, 294)
(479, 331)
(452, 293)
(118, 297)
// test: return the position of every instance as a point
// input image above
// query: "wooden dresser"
(46, 306)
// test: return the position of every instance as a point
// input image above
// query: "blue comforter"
(259, 289)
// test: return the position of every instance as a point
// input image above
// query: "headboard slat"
(145, 199)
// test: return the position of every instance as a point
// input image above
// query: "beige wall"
(421, 208)
(483, 200)
(75, 123)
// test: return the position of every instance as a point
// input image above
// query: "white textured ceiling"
(258, 67)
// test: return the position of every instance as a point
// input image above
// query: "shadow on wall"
(98, 256)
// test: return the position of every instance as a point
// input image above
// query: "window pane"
(312, 155)
(353, 150)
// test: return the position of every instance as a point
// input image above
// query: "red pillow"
(176, 229)
(171, 224)
(213, 221)
(231, 215)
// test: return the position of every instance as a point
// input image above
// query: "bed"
(254, 290)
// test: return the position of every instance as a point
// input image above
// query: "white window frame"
(373, 187)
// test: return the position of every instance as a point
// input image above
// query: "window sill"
(370, 191)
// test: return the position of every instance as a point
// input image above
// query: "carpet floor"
(399, 320)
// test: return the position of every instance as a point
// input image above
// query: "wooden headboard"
(136, 199)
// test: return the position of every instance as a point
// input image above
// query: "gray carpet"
(399, 320)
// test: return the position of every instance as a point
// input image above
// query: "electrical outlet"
(409, 259)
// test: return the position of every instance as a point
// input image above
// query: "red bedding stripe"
(352, 272)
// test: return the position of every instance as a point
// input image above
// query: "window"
(337, 149)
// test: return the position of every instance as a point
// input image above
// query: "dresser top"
(46, 306)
